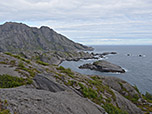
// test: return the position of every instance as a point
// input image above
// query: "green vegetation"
(31, 71)
(12, 62)
(100, 88)
(7, 81)
(21, 65)
(101, 94)
(122, 87)
(36, 57)
(111, 109)
(135, 87)
(3, 62)
(70, 83)
(3, 110)
(133, 98)
(18, 57)
(42, 63)
(7, 53)
(66, 71)
(95, 80)
(148, 97)
(60, 68)
(90, 88)
(88, 92)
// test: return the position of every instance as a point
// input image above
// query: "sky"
(91, 22)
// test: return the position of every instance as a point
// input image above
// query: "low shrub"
(3, 109)
(42, 63)
(18, 57)
(60, 68)
(7, 81)
(31, 71)
(133, 98)
(5, 112)
(135, 87)
(66, 71)
(88, 92)
(148, 97)
(111, 109)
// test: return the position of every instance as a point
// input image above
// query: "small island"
(103, 66)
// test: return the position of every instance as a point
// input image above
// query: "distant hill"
(15, 37)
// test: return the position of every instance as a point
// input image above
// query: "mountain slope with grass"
(38, 87)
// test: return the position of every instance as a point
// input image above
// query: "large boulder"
(45, 83)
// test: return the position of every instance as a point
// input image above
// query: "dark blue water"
(139, 69)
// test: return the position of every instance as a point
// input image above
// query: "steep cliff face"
(16, 37)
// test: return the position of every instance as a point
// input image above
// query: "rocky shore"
(57, 57)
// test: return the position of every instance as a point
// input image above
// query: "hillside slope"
(49, 89)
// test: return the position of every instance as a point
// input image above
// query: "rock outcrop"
(103, 66)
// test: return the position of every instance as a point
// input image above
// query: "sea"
(136, 60)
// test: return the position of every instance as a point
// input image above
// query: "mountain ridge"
(16, 37)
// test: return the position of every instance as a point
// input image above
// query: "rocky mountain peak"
(15, 37)
(14, 25)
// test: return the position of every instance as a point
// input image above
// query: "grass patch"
(122, 87)
(42, 63)
(108, 90)
(5, 112)
(7, 81)
(133, 98)
(12, 62)
(95, 80)
(2, 109)
(60, 68)
(31, 71)
(148, 97)
(135, 87)
(70, 83)
(88, 92)
(111, 109)
(3, 62)
(66, 71)
(18, 57)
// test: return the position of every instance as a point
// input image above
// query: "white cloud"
(118, 42)
(84, 18)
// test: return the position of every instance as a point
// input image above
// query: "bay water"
(136, 60)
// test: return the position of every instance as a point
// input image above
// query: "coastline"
(136, 72)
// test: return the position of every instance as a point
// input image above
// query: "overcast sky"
(89, 22)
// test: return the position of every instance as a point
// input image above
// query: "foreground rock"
(32, 101)
(103, 66)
